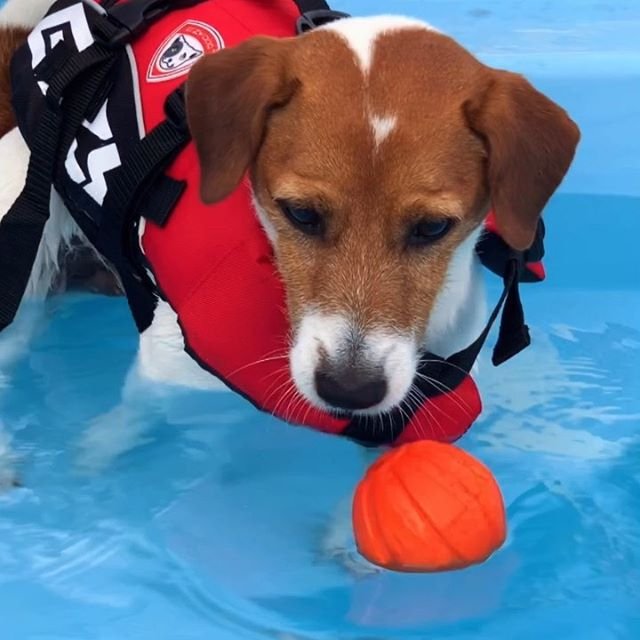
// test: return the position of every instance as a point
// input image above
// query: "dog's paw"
(353, 563)
(108, 437)
(339, 547)
(9, 480)
(8, 474)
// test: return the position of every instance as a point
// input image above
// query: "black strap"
(161, 200)
(149, 157)
(495, 253)
(140, 174)
(314, 14)
(513, 335)
(22, 227)
(437, 375)
(134, 17)
(306, 6)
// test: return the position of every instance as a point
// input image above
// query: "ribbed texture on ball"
(428, 506)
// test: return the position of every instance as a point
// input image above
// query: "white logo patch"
(182, 49)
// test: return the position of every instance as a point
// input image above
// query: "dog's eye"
(427, 232)
(306, 219)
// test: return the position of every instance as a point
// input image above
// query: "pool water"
(211, 525)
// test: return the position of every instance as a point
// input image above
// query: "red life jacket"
(212, 264)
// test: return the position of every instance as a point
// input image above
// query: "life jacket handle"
(310, 20)
(135, 16)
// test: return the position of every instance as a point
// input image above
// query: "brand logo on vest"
(182, 48)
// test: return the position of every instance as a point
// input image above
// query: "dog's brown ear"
(229, 95)
(530, 143)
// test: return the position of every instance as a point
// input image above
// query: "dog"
(371, 180)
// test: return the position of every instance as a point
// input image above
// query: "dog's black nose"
(351, 388)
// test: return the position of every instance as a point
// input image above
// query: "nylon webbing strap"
(439, 375)
(158, 204)
(513, 335)
(140, 172)
(314, 14)
(134, 17)
(22, 227)
(307, 6)
(148, 159)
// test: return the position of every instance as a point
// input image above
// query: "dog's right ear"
(229, 95)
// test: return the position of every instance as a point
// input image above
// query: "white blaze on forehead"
(361, 34)
(382, 126)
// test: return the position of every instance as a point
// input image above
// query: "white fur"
(59, 229)
(316, 331)
(397, 354)
(7, 461)
(456, 320)
(361, 34)
(330, 333)
(24, 13)
(162, 358)
(459, 312)
(382, 127)
(14, 158)
(394, 352)
(267, 226)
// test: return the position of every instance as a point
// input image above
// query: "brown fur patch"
(11, 38)
(372, 196)
(298, 114)
(531, 143)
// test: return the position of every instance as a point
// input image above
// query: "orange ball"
(428, 506)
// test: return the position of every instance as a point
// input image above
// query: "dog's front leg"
(120, 429)
(15, 339)
(338, 544)
(161, 372)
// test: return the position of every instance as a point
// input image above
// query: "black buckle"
(135, 16)
(314, 19)
(175, 110)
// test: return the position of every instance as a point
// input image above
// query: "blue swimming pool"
(211, 526)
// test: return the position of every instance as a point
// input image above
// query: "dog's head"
(375, 149)
(179, 53)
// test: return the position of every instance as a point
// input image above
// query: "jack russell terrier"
(375, 148)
